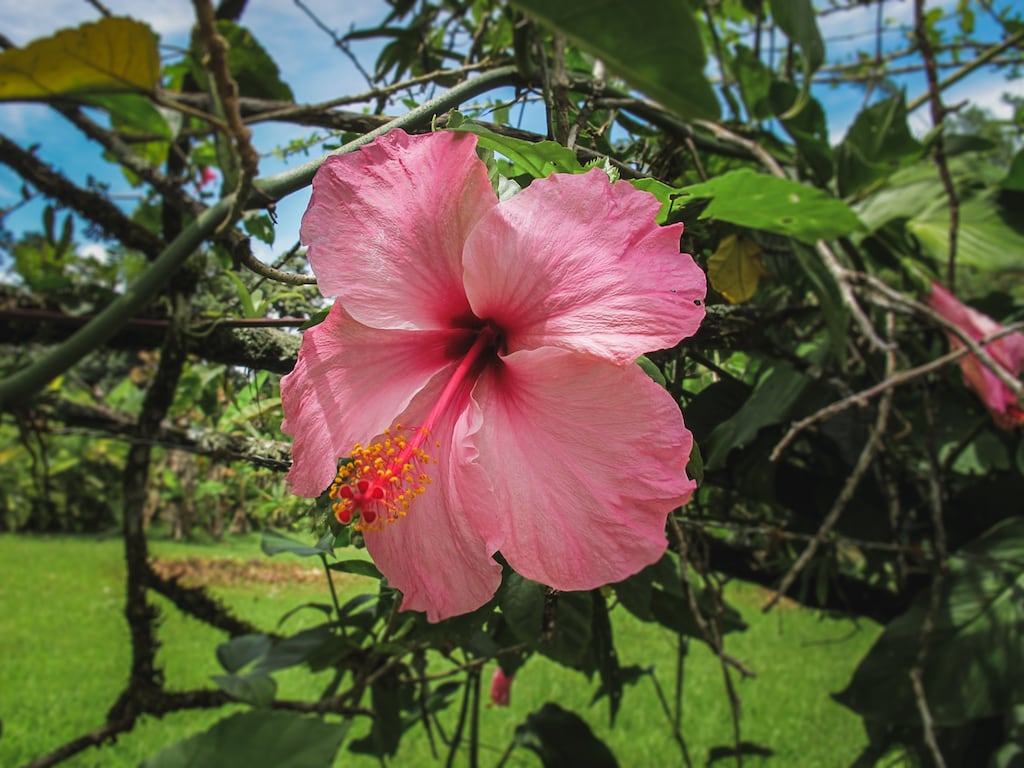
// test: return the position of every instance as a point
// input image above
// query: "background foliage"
(838, 467)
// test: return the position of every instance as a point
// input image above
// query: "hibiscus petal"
(576, 262)
(386, 227)
(1007, 351)
(585, 460)
(436, 555)
(349, 384)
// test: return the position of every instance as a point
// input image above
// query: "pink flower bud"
(501, 688)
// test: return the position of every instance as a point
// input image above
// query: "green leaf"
(652, 370)
(775, 205)
(654, 45)
(563, 740)
(257, 739)
(538, 159)
(557, 624)
(778, 390)
(242, 650)
(877, 144)
(273, 543)
(825, 287)
(112, 55)
(251, 66)
(386, 731)
(989, 237)
(755, 81)
(667, 196)
(809, 131)
(254, 688)
(1015, 176)
(798, 19)
(312, 646)
(975, 663)
(260, 226)
(358, 567)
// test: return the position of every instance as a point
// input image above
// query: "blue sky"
(317, 71)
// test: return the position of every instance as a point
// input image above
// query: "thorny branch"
(227, 94)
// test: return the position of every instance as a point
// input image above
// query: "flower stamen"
(378, 482)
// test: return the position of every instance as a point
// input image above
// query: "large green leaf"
(111, 55)
(775, 205)
(989, 236)
(985, 238)
(655, 45)
(257, 739)
(975, 662)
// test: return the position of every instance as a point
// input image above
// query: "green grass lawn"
(64, 650)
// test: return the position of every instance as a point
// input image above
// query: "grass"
(64, 653)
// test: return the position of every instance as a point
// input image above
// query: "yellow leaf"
(736, 268)
(108, 56)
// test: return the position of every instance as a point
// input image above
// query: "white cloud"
(95, 251)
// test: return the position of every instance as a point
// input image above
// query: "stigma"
(378, 483)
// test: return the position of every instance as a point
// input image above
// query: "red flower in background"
(1007, 352)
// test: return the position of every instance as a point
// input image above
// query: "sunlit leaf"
(736, 268)
(538, 159)
(775, 205)
(654, 45)
(108, 56)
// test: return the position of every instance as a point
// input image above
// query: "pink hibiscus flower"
(1007, 351)
(478, 369)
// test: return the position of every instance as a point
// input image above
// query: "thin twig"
(935, 598)
(250, 261)
(898, 379)
(966, 69)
